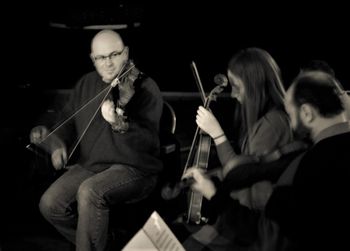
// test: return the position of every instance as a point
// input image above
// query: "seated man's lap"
(121, 183)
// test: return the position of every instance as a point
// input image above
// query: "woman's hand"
(201, 183)
(208, 123)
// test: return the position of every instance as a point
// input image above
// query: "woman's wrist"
(219, 136)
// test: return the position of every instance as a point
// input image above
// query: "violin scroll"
(220, 79)
(125, 81)
(128, 72)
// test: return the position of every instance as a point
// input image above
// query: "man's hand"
(38, 134)
(110, 114)
(202, 183)
(59, 158)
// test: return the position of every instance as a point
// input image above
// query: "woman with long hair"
(264, 126)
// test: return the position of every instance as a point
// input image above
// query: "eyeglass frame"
(101, 59)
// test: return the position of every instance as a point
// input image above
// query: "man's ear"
(125, 55)
(307, 113)
(92, 57)
(126, 51)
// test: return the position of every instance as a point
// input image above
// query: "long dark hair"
(262, 80)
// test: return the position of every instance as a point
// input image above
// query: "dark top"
(270, 132)
(101, 147)
(307, 210)
(315, 212)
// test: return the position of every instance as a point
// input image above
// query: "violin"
(194, 213)
(128, 74)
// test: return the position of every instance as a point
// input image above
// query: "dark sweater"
(311, 210)
(100, 146)
(318, 212)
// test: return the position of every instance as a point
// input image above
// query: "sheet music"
(154, 235)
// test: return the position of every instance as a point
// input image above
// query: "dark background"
(172, 34)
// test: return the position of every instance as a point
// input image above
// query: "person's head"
(256, 83)
(318, 65)
(312, 103)
(109, 54)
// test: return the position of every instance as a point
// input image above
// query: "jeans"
(86, 225)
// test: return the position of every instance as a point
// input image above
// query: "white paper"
(155, 235)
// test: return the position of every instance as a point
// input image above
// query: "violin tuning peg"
(221, 79)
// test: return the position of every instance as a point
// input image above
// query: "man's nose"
(109, 60)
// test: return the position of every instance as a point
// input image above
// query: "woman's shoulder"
(271, 131)
(275, 121)
(275, 117)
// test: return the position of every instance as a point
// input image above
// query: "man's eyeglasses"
(101, 59)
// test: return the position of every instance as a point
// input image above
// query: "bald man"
(117, 158)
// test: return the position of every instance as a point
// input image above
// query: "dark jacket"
(100, 146)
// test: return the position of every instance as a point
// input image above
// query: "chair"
(168, 119)
(170, 147)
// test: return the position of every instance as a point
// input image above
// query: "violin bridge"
(115, 82)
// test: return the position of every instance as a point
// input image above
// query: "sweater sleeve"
(225, 152)
(269, 133)
(146, 108)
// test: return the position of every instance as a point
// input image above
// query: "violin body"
(194, 213)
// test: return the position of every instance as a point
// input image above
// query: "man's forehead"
(107, 43)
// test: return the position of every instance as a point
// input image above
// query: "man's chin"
(108, 76)
(107, 80)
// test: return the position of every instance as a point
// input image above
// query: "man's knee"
(48, 205)
(87, 195)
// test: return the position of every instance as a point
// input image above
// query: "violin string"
(90, 121)
(191, 150)
(91, 100)
(119, 75)
(206, 103)
(60, 124)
